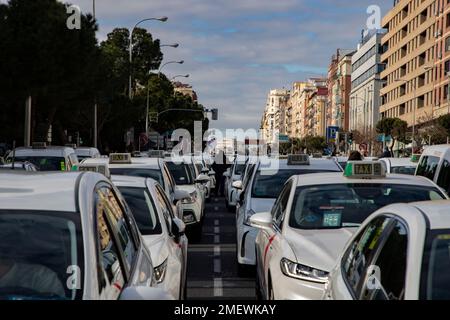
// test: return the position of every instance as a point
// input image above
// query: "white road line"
(216, 200)
(217, 230)
(218, 287)
(216, 222)
(216, 238)
(216, 251)
(216, 208)
(217, 266)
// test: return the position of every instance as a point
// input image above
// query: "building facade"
(274, 118)
(315, 107)
(366, 85)
(413, 31)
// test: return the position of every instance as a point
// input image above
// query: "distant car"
(315, 216)
(234, 173)
(401, 252)
(400, 165)
(87, 152)
(71, 236)
(45, 158)
(435, 165)
(259, 192)
(24, 166)
(162, 231)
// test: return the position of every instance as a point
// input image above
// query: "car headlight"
(247, 216)
(302, 272)
(160, 272)
(191, 200)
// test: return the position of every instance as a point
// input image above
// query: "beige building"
(297, 107)
(408, 52)
(275, 119)
(185, 89)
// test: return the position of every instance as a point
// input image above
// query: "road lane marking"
(216, 238)
(216, 208)
(217, 266)
(218, 287)
(216, 222)
(217, 230)
(217, 251)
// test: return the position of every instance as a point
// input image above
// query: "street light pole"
(130, 87)
(95, 105)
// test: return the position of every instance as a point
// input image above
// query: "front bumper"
(192, 213)
(286, 288)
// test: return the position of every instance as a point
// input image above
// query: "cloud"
(237, 50)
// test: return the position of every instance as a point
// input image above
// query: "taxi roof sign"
(298, 160)
(120, 158)
(98, 168)
(365, 170)
(415, 158)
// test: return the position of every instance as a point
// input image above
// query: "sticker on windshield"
(63, 166)
(332, 219)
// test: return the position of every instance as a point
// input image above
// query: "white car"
(163, 233)
(314, 217)
(123, 164)
(259, 193)
(193, 207)
(399, 165)
(435, 165)
(67, 236)
(45, 158)
(233, 174)
(87, 152)
(204, 169)
(401, 252)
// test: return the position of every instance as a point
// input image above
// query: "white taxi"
(260, 190)
(313, 218)
(233, 174)
(45, 158)
(400, 165)
(401, 252)
(163, 233)
(435, 165)
(66, 236)
(87, 152)
(124, 164)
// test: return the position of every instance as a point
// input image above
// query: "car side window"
(360, 253)
(428, 166)
(165, 207)
(444, 177)
(167, 179)
(281, 205)
(110, 270)
(119, 224)
(385, 279)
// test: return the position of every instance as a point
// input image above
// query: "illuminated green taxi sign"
(298, 160)
(415, 158)
(364, 170)
(120, 158)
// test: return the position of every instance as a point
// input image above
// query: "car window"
(444, 177)
(154, 174)
(168, 179)
(181, 173)
(428, 166)
(110, 271)
(119, 224)
(359, 253)
(385, 279)
(44, 163)
(165, 207)
(410, 170)
(279, 209)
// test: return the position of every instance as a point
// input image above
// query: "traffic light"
(215, 114)
(350, 137)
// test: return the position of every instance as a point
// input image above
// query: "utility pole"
(95, 105)
(27, 133)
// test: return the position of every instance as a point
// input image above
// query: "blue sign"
(331, 133)
(282, 138)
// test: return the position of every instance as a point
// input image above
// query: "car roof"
(437, 150)
(437, 212)
(53, 151)
(338, 178)
(314, 164)
(400, 162)
(48, 191)
(149, 163)
(134, 182)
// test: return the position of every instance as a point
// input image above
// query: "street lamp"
(174, 45)
(180, 76)
(162, 19)
(148, 90)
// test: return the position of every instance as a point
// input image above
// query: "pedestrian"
(220, 166)
(355, 156)
(386, 153)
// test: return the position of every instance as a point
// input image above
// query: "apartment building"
(413, 69)
(274, 118)
(315, 107)
(366, 84)
(297, 108)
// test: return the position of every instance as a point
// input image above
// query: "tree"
(444, 122)
(394, 127)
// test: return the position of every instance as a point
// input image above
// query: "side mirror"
(237, 185)
(145, 293)
(205, 170)
(212, 172)
(180, 195)
(261, 220)
(202, 179)
(178, 227)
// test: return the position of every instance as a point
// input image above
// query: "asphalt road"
(212, 267)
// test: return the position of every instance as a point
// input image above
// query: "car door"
(273, 239)
(386, 275)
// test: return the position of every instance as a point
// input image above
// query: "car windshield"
(45, 163)
(348, 205)
(436, 266)
(238, 169)
(41, 255)
(154, 174)
(181, 173)
(143, 209)
(269, 186)
(404, 170)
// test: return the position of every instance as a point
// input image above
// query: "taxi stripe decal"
(267, 247)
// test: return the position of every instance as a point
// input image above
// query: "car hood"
(156, 244)
(261, 205)
(318, 248)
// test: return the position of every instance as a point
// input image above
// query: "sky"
(237, 50)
